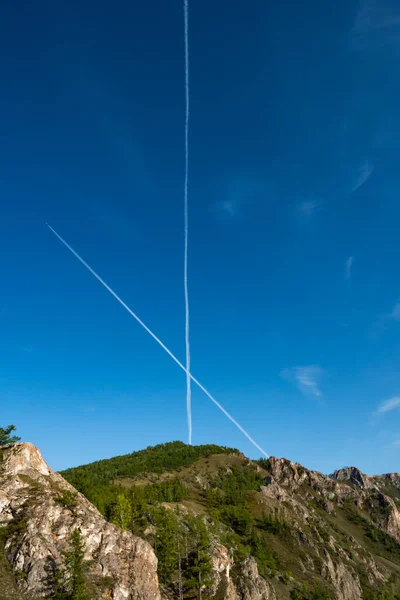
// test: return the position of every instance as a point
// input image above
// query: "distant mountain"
(223, 527)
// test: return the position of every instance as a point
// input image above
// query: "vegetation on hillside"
(155, 459)
(185, 499)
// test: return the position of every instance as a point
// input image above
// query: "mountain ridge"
(222, 526)
(204, 450)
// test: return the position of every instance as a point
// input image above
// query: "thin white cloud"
(307, 208)
(395, 314)
(364, 174)
(377, 24)
(240, 194)
(228, 208)
(384, 321)
(396, 443)
(306, 378)
(389, 405)
(349, 264)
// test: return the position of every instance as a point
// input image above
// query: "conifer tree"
(70, 581)
(6, 437)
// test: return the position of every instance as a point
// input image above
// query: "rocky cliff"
(38, 512)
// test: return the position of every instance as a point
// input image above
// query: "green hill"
(154, 459)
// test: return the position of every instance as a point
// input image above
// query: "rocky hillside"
(177, 522)
(310, 535)
(39, 511)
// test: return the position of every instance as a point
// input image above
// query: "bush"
(267, 559)
(318, 593)
(239, 518)
(272, 524)
(67, 499)
(264, 463)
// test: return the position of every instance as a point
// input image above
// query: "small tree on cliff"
(6, 437)
(71, 580)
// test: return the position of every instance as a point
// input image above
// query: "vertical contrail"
(163, 346)
(186, 225)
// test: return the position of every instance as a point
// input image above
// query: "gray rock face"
(124, 567)
(344, 578)
(249, 585)
(354, 476)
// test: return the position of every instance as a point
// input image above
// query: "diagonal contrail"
(163, 346)
(186, 224)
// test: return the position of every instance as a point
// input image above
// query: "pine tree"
(198, 569)
(165, 543)
(70, 581)
(138, 514)
(6, 438)
(180, 585)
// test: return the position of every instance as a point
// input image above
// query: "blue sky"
(294, 217)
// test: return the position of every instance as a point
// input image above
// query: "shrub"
(67, 499)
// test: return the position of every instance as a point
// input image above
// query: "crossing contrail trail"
(163, 346)
(186, 224)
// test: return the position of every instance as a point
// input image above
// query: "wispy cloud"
(228, 208)
(395, 314)
(88, 409)
(240, 194)
(24, 349)
(385, 320)
(377, 23)
(306, 378)
(396, 443)
(364, 174)
(305, 211)
(389, 405)
(307, 208)
(349, 264)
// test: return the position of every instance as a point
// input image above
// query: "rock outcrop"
(289, 486)
(354, 477)
(248, 584)
(344, 579)
(38, 512)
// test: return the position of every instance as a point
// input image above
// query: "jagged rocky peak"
(23, 458)
(40, 511)
(286, 473)
(355, 477)
(392, 478)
